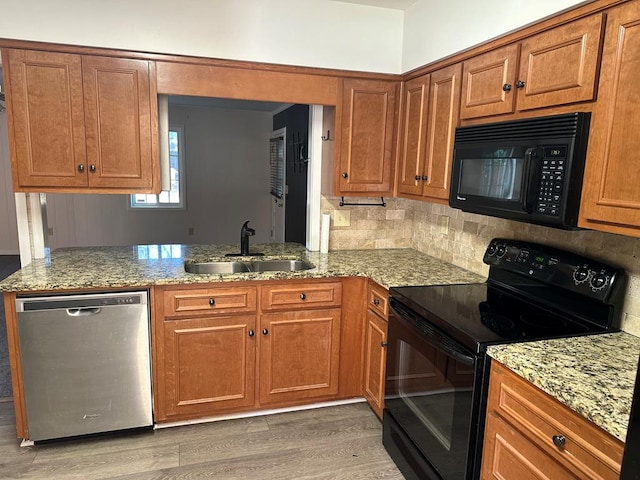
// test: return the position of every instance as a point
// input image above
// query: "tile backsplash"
(461, 238)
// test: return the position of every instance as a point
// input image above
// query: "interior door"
(277, 159)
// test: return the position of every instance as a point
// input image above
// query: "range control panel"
(553, 266)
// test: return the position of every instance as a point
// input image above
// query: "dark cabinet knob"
(417, 177)
(425, 178)
(303, 296)
(383, 344)
(92, 168)
(345, 175)
(251, 333)
(265, 331)
(506, 87)
(376, 302)
(81, 168)
(212, 301)
(519, 84)
(559, 440)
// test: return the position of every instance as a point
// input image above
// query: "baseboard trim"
(259, 413)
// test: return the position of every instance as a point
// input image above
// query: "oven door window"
(497, 174)
(430, 394)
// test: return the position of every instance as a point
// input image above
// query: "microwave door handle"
(530, 155)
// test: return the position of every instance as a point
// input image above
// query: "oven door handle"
(453, 352)
(437, 338)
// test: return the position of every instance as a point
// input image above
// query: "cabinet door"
(374, 361)
(209, 366)
(414, 135)
(46, 122)
(367, 137)
(610, 193)
(488, 83)
(118, 122)
(444, 109)
(560, 66)
(299, 355)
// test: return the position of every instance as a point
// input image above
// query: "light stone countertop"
(593, 375)
(146, 265)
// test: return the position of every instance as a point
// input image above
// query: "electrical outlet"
(191, 230)
(50, 231)
(341, 218)
(444, 225)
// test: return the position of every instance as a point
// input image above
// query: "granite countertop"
(593, 375)
(145, 265)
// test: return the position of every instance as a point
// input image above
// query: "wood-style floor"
(337, 443)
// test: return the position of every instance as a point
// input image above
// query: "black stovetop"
(533, 292)
(482, 314)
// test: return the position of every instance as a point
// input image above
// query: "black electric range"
(437, 368)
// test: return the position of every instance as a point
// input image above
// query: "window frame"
(182, 191)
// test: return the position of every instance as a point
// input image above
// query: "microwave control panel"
(552, 180)
(554, 267)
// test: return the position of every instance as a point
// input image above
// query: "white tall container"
(324, 232)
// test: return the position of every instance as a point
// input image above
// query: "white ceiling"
(395, 4)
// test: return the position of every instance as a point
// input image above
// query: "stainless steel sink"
(279, 266)
(247, 267)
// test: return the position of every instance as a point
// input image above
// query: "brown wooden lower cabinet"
(209, 364)
(222, 349)
(375, 346)
(374, 361)
(299, 355)
(529, 434)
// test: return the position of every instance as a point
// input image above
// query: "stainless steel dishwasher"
(86, 363)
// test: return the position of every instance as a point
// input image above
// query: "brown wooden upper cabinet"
(430, 116)
(555, 67)
(365, 157)
(610, 191)
(80, 123)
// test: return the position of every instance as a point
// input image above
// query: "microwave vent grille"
(556, 126)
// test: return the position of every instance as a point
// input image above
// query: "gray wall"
(8, 224)
(227, 167)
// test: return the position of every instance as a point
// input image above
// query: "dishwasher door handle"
(83, 312)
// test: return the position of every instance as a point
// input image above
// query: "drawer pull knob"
(383, 344)
(212, 301)
(376, 302)
(81, 168)
(559, 440)
(520, 84)
(506, 87)
(303, 296)
(265, 331)
(251, 333)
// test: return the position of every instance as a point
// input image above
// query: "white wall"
(434, 29)
(227, 163)
(301, 32)
(8, 224)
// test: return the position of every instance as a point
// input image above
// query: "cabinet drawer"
(301, 295)
(378, 299)
(210, 301)
(584, 447)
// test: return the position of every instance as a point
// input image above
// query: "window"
(277, 162)
(174, 197)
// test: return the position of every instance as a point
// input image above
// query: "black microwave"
(528, 170)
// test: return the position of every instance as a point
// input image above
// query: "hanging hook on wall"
(327, 138)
